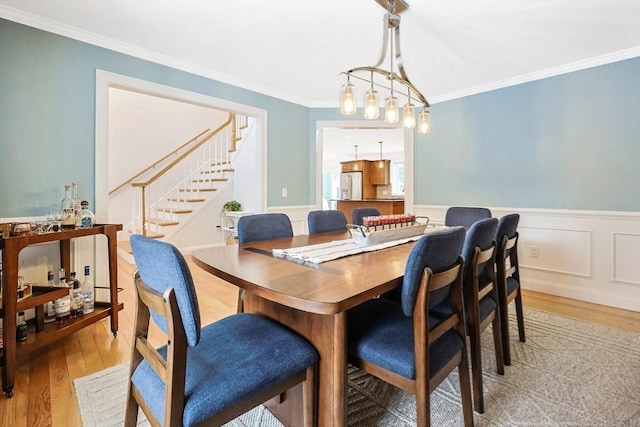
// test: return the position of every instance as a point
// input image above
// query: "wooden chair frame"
(422, 386)
(473, 295)
(508, 251)
(172, 371)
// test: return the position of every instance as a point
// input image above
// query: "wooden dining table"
(311, 299)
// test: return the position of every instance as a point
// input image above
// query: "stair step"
(218, 171)
(226, 162)
(161, 222)
(194, 200)
(175, 211)
(210, 180)
(186, 190)
(236, 139)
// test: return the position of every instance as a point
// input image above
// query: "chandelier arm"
(398, 55)
(389, 76)
(385, 40)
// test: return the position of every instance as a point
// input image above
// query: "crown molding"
(89, 37)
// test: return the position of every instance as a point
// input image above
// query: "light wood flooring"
(44, 394)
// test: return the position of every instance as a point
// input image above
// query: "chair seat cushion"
(512, 285)
(388, 341)
(236, 358)
(443, 310)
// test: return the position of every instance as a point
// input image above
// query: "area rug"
(568, 373)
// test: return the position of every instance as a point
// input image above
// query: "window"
(397, 178)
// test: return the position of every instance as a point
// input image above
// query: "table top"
(327, 288)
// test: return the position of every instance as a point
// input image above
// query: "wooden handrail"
(148, 168)
(184, 155)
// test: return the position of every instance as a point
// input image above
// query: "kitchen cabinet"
(51, 333)
(354, 166)
(380, 172)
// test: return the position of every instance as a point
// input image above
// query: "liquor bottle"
(77, 300)
(87, 292)
(87, 218)
(21, 328)
(50, 307)
(66, 205)
(76, 204)
(62, 304)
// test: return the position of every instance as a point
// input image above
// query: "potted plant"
(231, 206)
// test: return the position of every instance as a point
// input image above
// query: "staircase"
(167, 194)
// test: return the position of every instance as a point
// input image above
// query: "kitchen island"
(385, 206)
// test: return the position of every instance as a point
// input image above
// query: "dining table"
(310, 298)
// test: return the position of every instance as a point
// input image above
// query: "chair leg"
(520, 315)
(423, 405)
(476, 367)
(309, 395)
(131, 411)
(465, 390)
(504, 327)
(497, 343)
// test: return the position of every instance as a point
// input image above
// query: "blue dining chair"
(213, 373)
(401, 343)
(358, 213)
(465, 216)
(252, 228)
(480, 292)
(508, 279)
(325, 221)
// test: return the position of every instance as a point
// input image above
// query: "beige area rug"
(568, 373)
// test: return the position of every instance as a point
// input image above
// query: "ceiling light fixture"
(390, 43)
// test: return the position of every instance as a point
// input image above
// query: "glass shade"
(371, 108)
(391, 114)
(409, 116)
(348, 105)
(424, 122)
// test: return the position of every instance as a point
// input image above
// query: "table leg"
(327, 333)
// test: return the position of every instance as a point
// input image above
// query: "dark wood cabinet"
(44, 334)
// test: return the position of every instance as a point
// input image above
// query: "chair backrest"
(465, 216)
(358, 213)
(161, 266)
(437, 251)
(506, 241)
(325, 221)
(252, 228)
(480, 235)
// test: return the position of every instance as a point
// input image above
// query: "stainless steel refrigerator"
(351, 186)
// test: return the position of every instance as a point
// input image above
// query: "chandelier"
(390, 44)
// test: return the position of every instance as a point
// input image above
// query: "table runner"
(329, 251)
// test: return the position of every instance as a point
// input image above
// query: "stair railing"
(187, 176)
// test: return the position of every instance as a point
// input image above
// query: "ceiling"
(295, 49)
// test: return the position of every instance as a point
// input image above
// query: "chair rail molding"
(585, 255)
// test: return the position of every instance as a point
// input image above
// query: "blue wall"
(566, 142)
(47, 119)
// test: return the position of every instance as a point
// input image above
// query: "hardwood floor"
(44, 394)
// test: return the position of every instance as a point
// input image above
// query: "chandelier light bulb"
(424, 122)
(348, 105)
(371, 108)
(409, 116)
(391, 114)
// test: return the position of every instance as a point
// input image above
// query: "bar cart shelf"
(45, 334)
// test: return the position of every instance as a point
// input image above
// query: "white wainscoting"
(591, 256)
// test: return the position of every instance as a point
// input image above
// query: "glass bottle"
(87, 218)
(87, 291)
(76, 204)
(77, 300)
(21, 328)
(62, 304)
(50, 307)
(66, 205)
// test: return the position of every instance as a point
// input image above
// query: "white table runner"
(329, 251)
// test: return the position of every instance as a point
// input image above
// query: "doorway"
(336, 141)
